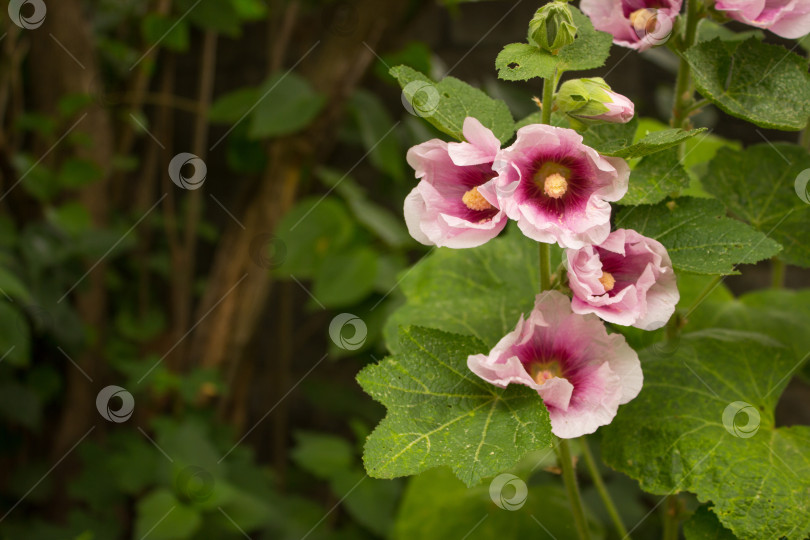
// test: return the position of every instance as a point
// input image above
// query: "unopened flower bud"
(552, 27)
(590, 100)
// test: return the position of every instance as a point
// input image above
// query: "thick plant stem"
(545, 267)
(621, 530)
(569, 474)
(671, 518)
(777, 273)
(548, 98)
(684, 93)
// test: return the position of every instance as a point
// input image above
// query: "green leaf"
(681, 433)
(160, 516)
(76, 173)
(763, 84)
(219, 16)
(370, 502)
(322, 455)
(250, 10)
(15, 336)
(437, 505)
(757, 186)
(232, 107)
(440, 413)
(311, 231)
(480, 292)
(522, 61)
(287, 104)
(169, 32)
(709, 30)
(10, 285)
(346, 278)
(656, 177)
(655, 142)
(376, 132)
(703, 525)
(447, 103)
(608, 138)
(698, 236)
(376, 218)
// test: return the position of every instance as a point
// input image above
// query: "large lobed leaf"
(480, 292)
(656, 177)
(757, 185)
(763, 84)
(626, 140)
(698, 236)
(673, 436)
(523, 61)
(440, 413)
(445, 104)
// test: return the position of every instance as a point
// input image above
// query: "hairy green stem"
(545, 267)
(569, 474)
(684, 93)
(777, 273)
(548, 97)
(621, 530)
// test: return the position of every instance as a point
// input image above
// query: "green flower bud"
(552, 27)
(583, 97)
(592, 100)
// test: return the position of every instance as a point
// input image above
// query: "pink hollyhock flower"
(455, 204)
(557, 188)
(582, 373)
(627, 279)
(637, 24)
(786, 18)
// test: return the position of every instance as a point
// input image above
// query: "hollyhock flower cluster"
(559, 191)
(582, 373)
(637, 24)
(786, 18)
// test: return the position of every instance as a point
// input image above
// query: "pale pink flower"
(582, 373)
(786, 18)
(455, 205)
(637, 24)
(556, 188)
(627, 279)
(620, 109)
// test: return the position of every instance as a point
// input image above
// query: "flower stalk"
(684, 93)
(596, 477)
(572, 489)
